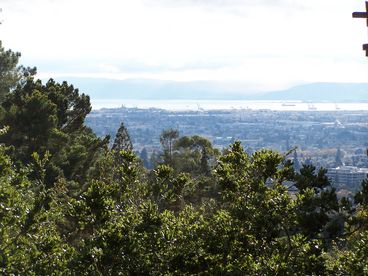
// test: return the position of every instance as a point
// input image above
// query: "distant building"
(339, 158)
(347, 176)
(296, 163)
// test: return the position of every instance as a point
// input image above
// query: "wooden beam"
(362, 14)
(365, 48)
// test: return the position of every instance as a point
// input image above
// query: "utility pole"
(363, 15)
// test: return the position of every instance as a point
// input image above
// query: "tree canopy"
(71, 205)
(12, 74)
(122, 140)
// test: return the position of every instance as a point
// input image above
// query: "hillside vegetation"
(70, 205)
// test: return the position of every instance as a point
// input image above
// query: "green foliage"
(317, 203)
(194, 154)
(50, 118)
(167, 140)
(354, 261)
(124, 223)
(361, 197)
(29, 238)
(122, 140)
(69, 205)
(168, 190)
(12, 74)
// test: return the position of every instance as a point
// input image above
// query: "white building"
(347, 176)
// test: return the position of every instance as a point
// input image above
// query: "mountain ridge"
(144, 89)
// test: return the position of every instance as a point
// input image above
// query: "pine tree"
(167, 140)
(11, 73)
(122, 140)
(204, 166)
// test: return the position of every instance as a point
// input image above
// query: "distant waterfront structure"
(311, 107)
(288, 104)
(347, 176)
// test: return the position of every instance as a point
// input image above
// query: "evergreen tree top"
(122, 140)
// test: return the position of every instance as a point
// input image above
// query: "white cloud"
(265, 43)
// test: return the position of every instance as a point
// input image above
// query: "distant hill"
(157, 89)
(206, 90)
(316, 92)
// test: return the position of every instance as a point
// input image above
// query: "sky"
(259, 44)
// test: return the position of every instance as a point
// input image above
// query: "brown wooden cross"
(363, 15)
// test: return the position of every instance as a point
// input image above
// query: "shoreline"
(241, 105)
